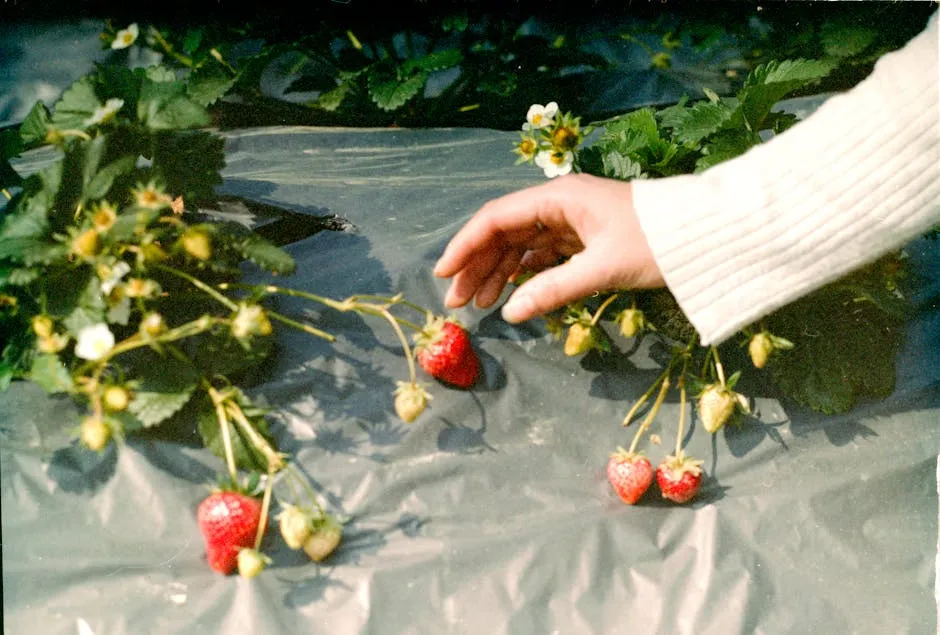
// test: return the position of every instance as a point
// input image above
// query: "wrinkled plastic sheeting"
(491, 513)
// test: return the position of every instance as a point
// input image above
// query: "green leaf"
(642, 122)
(702, 119)
(390, 94)
(724, 146)
(166, 384)
(839, 355)
(50, 374)
(102, 181)
(247, 456)
(266, 255)
(33, 129)
(164, 106)
(77, 104)
(618, 166)
(845, 40)
(160, 73)
(773, 81)
(190, 163)
(333, 99)
(622, 140)
(89, 307)
(439, 60)
(130, 222)
(209, 83)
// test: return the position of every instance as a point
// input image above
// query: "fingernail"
(517, 307)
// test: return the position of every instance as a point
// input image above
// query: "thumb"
(555, 287)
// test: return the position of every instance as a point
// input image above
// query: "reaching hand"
(590, 219)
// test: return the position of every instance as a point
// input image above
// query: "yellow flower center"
(527, 147)
(537, 119)
(558, 158)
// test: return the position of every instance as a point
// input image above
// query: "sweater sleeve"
(856, 179)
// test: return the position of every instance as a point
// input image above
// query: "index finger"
(511, 220)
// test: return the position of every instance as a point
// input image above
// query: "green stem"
(306, 328)
(168, 48)
(651, 414)
(219, 401)
(6, 193)
(265, 506)
(404, 343)
(602, 307)
(199, 284)
(275, 461)
(306, 487)
(718, 367)
(649, 393)
(682, 398)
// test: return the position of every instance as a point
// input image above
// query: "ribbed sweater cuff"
(858, 178)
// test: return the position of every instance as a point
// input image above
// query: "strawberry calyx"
(679, 464)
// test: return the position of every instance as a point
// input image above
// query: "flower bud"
(86, 244)
(42, 325)
(250, 319)
(152, 325)
(95, 434)
(196, 243)
(115, 398)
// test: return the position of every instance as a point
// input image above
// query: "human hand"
(588, 218)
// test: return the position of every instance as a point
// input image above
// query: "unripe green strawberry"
(95, 433)
(197, 244)
(325, 538)
(152, 325)
(296, 525)
(581, 338)
(717, 404)
(115, 398)
(42, 325)
(250, 319)
(86, 244)
(251, 562)
(410, 401)
(760, 348)
(632, 321)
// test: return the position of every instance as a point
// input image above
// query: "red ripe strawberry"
(228, 522)
(444, 351)
(679, 478)
(630, 474)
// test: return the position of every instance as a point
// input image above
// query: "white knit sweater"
(856, 179)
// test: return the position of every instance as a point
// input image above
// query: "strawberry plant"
(815, 351)
(116, 292)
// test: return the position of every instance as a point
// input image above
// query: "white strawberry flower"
(125, 37)
(114, 276)
(554, 163)
(94, 342)
(540, 116)
(104, 114)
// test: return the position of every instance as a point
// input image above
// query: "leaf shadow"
(77, 470)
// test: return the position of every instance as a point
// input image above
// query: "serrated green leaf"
(76, 106)
(618, 166)
(50, 374)
(798, 71)
(639, 122)
(34, 126)
(209, 83)
(622, 140)
(333, 99)
(190, 163)
(436, 61)
(21, 277)
(166, 385)
(839, 355)
(703, 119)
(164, 106)
(101, 182)
(192, 40)
(390, 94)
(267, 255)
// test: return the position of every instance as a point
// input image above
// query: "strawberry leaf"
(208, 83)
(33, 129)
(166, 384)
(50, 373)
(391, 93)
(77, 105)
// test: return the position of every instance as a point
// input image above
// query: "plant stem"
(645, 396)
(199, 284)
(6, 193)
(602, 307)
(265, 506)
(651, 414)
(219, 401)
(275, 461)
(168, 48)
(404, 343)
(718, 366)
(306, 328)
(682, 399)
(292, 470)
